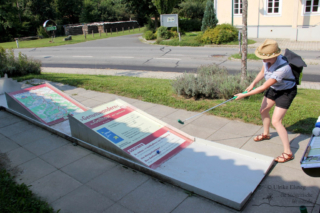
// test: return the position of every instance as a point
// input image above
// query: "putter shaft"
(208, 109)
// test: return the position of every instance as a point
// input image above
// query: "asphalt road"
(128, 52)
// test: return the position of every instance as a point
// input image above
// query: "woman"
(279, 92)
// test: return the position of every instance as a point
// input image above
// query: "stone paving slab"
(54, 186)
(65, 155)
(45, 145)
(19, 156)
(195, 203)
(88, 167)
(117, 208)
(82, 200)
(117, 182)
(33, 170)
(7, 145)
(144, 199)
(228, 139)
(29, 136)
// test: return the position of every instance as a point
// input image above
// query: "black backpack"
(296, 63)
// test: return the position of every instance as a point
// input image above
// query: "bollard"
(17, 42)
(132, 29)
(92, 34)
(106, 32)
(85, 35)
(122, 30)
(117, 30)
(100, 32)
(111, 31)
(129, 29)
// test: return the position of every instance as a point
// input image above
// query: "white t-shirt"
(279, 74)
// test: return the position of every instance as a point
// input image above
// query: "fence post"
(129, 29)
(100, 32)
(85, 34)
(106, 32)
(133, 29)
(92, 34)
(117, 30)
(122, 30)
(111, 31)
(139, 28)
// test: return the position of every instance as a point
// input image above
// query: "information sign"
(51, 28)
(47, 103)
(147, 140)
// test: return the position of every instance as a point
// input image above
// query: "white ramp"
(224, 174)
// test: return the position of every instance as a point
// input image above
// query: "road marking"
(121, 57)
(176, 59)
(82, 56)
(177, 54)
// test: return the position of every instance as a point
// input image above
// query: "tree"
(244, 40)
(165, 6)
(192, 9)
(68, 12)
(209, 18)
(142, 9)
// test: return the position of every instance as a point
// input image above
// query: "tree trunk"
(156, 21)
(244, 41)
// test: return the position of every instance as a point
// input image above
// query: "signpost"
(170, 20)
(50, 27)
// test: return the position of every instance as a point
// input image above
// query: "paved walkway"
(75, 179)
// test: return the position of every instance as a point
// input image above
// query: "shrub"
(220, 34)
(148, 35)
(150, 25)
(189, 25)
(210, 81)
(163, 32)
(174, 29)
(17, 66)
(42, 32)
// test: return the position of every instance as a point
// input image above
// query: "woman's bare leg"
(266, 105)
(277, 117)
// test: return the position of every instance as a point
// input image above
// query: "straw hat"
(269, 49)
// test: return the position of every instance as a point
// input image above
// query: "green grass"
(18, 198)
(300, 118)
(250, 56)
(45, 42)
(186, 40)
(189, 39)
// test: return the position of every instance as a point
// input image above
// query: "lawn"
(250, 56)
(45, 42)
(300, 118)
(190, 39)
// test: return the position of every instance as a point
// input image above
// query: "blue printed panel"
(110, 135)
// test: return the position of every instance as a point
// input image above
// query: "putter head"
(180, 121)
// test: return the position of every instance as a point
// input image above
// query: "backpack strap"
(282, 65)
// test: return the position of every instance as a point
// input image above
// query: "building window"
(312, 6)
(237, 7)
(273, 7)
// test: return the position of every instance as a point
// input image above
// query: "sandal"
(285, 159)
(261, 137)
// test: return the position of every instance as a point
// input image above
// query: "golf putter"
(182, 122)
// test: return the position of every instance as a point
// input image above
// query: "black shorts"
(283, 98)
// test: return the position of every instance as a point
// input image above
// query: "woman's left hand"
(240, 96)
